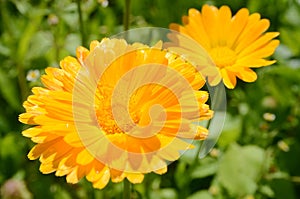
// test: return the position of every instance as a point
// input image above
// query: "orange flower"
(117, 111)
(236, 44)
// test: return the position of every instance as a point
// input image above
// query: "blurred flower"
(269, 102)
(214, 190)
(33, 75)
(214, 153)
(249, 197)
(117, 111)
(270, 117)
(104, 3)
(103, 29)
(236, 44)
(15, 189)
(52, 19)
(283, 146)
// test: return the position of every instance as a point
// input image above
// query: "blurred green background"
(258, 153)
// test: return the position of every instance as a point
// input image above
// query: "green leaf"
(240, 168)
(267, 190)
(180, 177)
(72, 42)
(201, 195)
(205, 170)
(283, 189)
(231, 130)
(291, 38)
(166, 193)
(10, 148)
(8, 90)
(4, 50)
(41, 42)
(61, 193)
(23, 6)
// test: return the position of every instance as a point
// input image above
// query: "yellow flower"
(236, 44)
(117, 111)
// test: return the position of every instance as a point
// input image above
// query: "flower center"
(107, 119)
(223, 56)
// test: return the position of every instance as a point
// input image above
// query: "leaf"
(41, 42)
(267, 190)
(205, 170)
(4, 50)
(72, 42)
(201, 195)
(231, 130)
(283, 189)
(8, 90)
(61, 193)
(180, 177)
(166, 193)
(10, 148)
(23, 6)
(240, 169)
(291, 38)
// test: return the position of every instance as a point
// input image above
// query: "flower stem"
(218, 104)
(126, 17)
(126, 189)
(81, 24)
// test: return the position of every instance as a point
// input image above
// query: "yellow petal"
(258, 44)
(161, 171)
(209, 19)
(250, 35)
(72, 177)
(229, 78)
(247, 75)
(238, 23)
(103, 180)
(224, 20)
(31, 132)
(135, 177)
(266, 51)
(47, 168)
(84, 157)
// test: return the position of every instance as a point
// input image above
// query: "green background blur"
(258, 153)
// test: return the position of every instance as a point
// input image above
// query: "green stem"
(217, 104)
(126, 189)
(81, 24)
(126, 17)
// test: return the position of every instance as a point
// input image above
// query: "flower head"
(116, 111)
(33, 75)
(236, 44)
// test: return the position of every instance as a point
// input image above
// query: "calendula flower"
(115, 111)
(236, 43)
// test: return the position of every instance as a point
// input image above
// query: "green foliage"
(257, 155)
